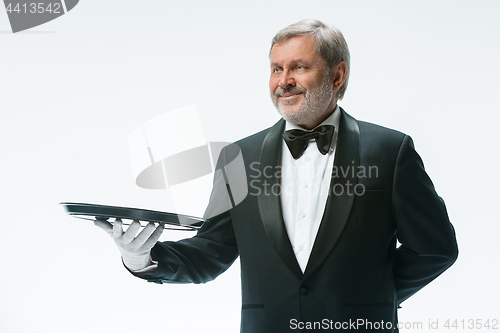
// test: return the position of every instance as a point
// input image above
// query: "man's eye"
(276, 70)
(301, 67)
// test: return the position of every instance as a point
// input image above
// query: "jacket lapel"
(339, 203)
(338, 206)
(269, 203)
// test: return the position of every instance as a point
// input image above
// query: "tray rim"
(88, 209)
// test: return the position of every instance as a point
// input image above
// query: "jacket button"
(303, 290)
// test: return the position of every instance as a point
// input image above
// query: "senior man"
(317, 236)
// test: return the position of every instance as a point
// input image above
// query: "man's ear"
(339, 73)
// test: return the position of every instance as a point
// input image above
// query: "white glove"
(135, 251)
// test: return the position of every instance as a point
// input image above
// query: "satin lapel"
(338, 205)
(269, 203)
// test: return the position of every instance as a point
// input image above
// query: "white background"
(73, 89)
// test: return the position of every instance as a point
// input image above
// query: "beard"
(315, 102)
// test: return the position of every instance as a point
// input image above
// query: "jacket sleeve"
(198, 259)
(428, 244)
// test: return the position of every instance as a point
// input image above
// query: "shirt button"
(303, 215)
(301, 247)
(308, 158)
(306, 185)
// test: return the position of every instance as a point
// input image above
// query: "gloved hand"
(134, 250)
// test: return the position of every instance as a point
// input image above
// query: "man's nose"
(286, 80)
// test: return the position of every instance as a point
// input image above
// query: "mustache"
(292, 90)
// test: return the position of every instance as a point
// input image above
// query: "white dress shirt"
(305, 184)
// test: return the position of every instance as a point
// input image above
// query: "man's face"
(300, 85)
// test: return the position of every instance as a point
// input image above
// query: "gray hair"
(330, 44)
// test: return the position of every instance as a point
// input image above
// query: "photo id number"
(34, 8)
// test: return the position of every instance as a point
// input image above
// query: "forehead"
(295, 48)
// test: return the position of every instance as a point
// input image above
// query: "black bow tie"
(297, 140)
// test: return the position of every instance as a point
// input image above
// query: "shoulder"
(367, 130)
(252, 140)
(380, 138)
(376, 139)
(379, 132)
(253, 143)
(250, 147)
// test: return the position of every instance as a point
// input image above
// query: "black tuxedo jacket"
(356, 276)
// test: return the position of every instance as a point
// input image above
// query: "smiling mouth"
(289, 96)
